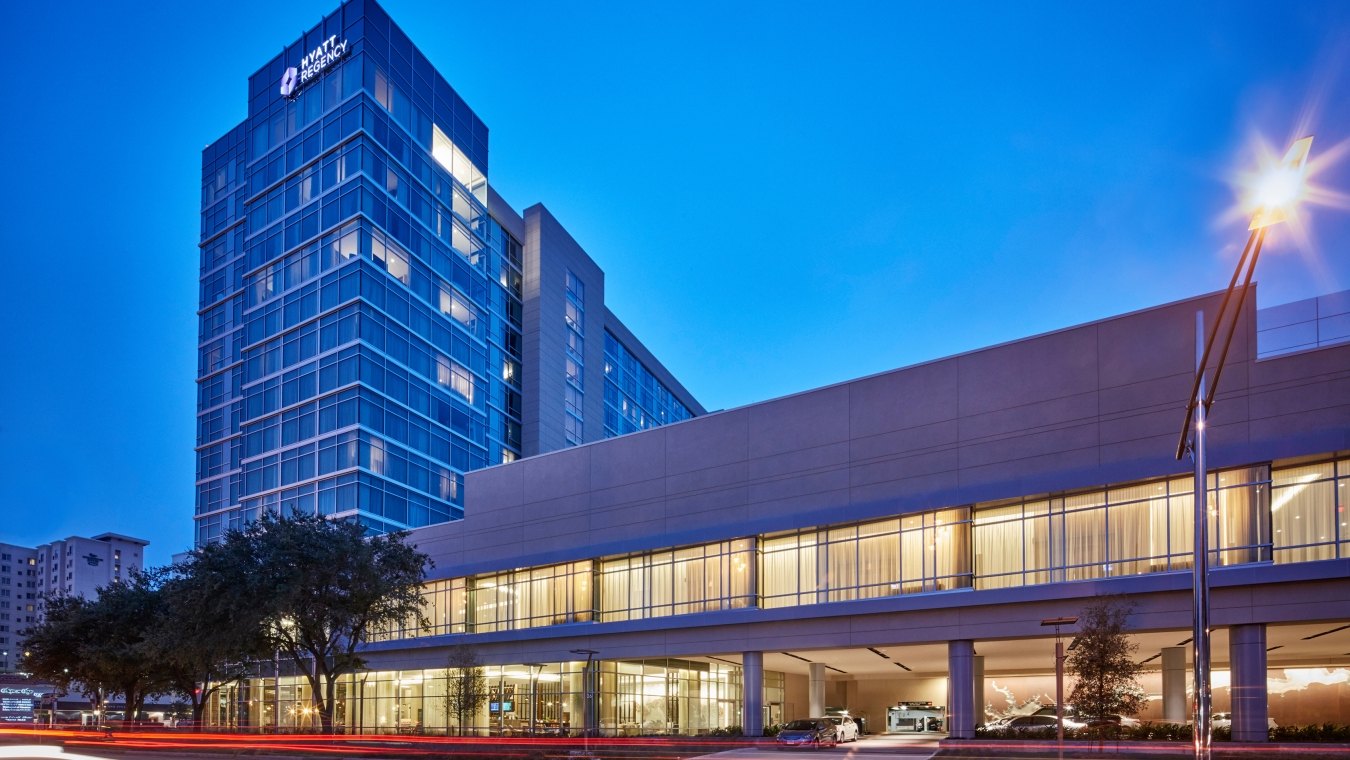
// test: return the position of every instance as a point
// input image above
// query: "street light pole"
(1280, 193)
(590, 685)
(1200, 714)
(1059, 675)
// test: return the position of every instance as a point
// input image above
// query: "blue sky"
(782, 195)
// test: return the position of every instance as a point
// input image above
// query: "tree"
(102, 644)
(1103, 662)
(318, 588)
(466, 687)
(52, 649)
(208, 630)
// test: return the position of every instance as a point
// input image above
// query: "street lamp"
(1059, 674)
(1275, 194)
(590, 688)
(535, 669)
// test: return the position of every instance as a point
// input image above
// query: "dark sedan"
(815, 733)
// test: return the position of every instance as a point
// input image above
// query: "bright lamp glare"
(1279, 189)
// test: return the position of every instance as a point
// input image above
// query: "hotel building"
(74, 566)
(889, 540)
(375, 320)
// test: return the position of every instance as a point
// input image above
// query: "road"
(877, 747)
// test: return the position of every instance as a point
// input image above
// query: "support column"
(816, 690)
(1174, 705)
(977, 687)
(960, 689)
(1247, 678)
(752, 693)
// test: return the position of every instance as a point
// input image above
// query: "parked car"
(1225, 720)
(813, 732)
(1039, 723)
(845, 727)
(1071, 713)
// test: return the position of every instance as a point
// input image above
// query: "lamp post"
(1277, 194)
(535, 669)
(590, 685)
(1059, 674)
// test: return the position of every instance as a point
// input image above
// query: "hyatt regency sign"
(313, 64)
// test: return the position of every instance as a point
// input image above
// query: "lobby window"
(927, 551)
(1122, 530)
(700, 578)
(1239, 515)
(1307, 514)
(533, 597)
(446, 612)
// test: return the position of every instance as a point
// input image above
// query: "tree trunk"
(316, 695)
(330, 709)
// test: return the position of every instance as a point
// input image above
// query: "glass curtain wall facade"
(634, 399)
(1283, 514)
(634, 698)
(360, 310)
(574, 363)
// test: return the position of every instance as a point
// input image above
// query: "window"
(1306, 523)
(699, 578)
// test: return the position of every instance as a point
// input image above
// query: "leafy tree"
(102, 644)
(122, 616)
(209, 629)
(317, 589)
(1103, 662)
(466, 687)
(52, 649)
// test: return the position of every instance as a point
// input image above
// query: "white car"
(845, 727)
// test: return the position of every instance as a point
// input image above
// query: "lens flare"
(1278, 188)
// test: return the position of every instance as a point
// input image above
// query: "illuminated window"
(453, 160)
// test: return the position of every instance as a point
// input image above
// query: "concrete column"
(1247, 665)
(816, 690)
(752, 693)
(977, 687)
(1174, 675)
(960, 689)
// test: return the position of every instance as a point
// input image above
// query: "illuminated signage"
(16, 705)
(312, 65)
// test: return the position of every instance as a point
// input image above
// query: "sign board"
(315, 62)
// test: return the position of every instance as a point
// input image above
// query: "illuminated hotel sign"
(313, 64)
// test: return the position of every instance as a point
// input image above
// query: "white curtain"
(998, 547)
(1303, 513)
(879, 559)
(1084, 535)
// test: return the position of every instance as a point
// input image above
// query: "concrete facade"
(1077, 408)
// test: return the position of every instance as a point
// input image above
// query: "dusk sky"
(782, 195)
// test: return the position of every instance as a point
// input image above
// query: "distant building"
(73, 566)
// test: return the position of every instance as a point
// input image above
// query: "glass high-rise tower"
(375, 320)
